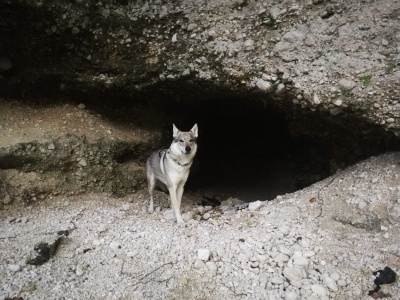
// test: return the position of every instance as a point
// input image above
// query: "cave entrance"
(253, 151)
(246, 151)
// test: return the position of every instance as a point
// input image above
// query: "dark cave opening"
(246, 151)
(253, 151)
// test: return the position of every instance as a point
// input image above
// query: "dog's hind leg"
(151, 181)
(173, 191)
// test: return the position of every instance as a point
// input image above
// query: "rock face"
(337, 51)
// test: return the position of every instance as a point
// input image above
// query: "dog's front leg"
(179, 194)
(173, 193)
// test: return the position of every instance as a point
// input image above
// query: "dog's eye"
(181, 141)
(191, 140)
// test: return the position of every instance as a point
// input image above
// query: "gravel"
(290, 248)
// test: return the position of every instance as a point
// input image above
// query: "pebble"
(96, 242)
(330, 283)
(199, 264)
(263, 85)
(390, 120)
(346, 84)
(14, 267)
(277, 280)
(132, 253)
(114, 245)
(203, 254)
(300, 261)
(316, 99)
(79, 270)
(191, 27)
(206, 216)
(294, 273)
(169, 214)
(280, 258)
(187, 216)
(291, 296)
(82, 162)
(319, 290)
(255, 205)
(338, 102)
(284, 250)
(81, 106)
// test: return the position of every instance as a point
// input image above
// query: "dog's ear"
(175, 130)
(194, 130)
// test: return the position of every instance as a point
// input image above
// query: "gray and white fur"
(171, 167)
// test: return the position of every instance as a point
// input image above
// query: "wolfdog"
(170, 167)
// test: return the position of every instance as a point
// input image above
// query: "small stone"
(192, 26)
(291, 296)
(346, 85)
(212, 33)
(309, 253)
(75, 30)
(249, 45)
(203, 254)
(187, 216)
(79, 270)
(362, 205)
(51, 146)
(186, 72)
(114, 245)
(338, 102)
(102, 228)
(255, 205)
(300, 261)
(335, 276)
(171, 77)
(243, 257)
(316, 99)
(96, 242)
(132, 253)
(390, 120)
(169, 214)
(341, 282)
(81, 106)
(330, 283)
(263, 85)
(294, 273)
(284, 250)
(280, 258)
(211, 266)
(285, 230)
(199, 264)
(14, 267)
(82, 162)
(206, 216)
(174, 38)
(319, 290)
(277, 280)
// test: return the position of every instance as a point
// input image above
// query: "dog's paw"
(150, 210)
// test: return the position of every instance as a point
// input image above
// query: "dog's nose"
(187, 148)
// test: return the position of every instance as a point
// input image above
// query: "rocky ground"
(322, 242)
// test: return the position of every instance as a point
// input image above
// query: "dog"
(170, 167)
